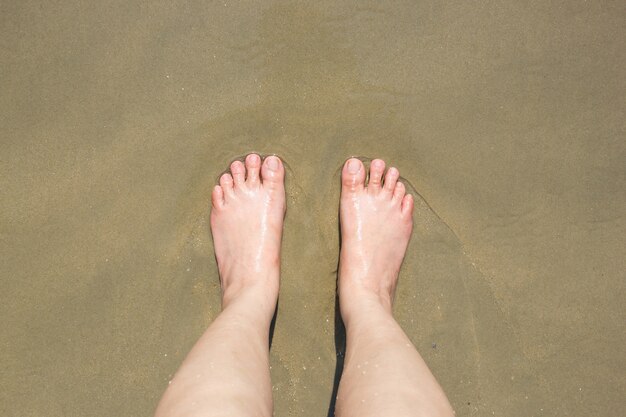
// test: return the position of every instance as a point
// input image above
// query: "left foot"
(247, 225)
(376, 223)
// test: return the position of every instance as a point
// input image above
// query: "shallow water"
(507, 119)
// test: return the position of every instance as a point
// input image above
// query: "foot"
(247, 225)
(376, 223)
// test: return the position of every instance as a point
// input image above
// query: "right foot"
(247, 225)
(376, 223)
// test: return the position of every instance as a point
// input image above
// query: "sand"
(507, 118)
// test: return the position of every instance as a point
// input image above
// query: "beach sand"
(506, 118)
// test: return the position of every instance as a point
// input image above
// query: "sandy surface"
(507, 117)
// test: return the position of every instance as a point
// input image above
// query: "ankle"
(357, 301)
(260, 297)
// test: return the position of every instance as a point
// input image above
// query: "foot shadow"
(340, 328)
(340, 351)
(273, 323)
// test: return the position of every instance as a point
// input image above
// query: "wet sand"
(508, 120)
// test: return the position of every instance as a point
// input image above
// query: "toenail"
(353, 166)
(272, 163)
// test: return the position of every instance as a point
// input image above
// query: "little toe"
(226, 182)
(399, 191)
(407, 205)
(217, 197)
(238, 171)
(377, 167)
(353, 176)
(391, 179)
(273, 172)
(253, 168)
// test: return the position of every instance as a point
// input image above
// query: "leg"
(383, 373)
(227, 371)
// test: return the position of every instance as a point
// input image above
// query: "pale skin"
(227, 371)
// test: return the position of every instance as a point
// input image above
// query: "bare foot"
(376, 223)
(247, 224)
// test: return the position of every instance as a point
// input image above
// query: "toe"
(217, 197)
(399, 191)
(407, 205)
(238, 171)
(272, 172)
(353, 175)
(391, 179)
(226, 182)
(377, 167)
(253, 168)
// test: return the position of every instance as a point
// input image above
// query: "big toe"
(353, 175)
(273, 172)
